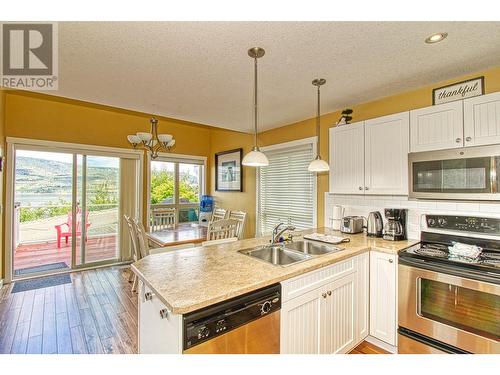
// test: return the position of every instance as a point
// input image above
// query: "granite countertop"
(190, 279)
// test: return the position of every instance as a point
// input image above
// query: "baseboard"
(382, 344)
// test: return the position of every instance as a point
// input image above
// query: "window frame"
(291, 144)
(176, 159)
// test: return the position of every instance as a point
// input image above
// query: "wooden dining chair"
(218, 214)
(135, 249)
(142, 238)
(222, 229)
(219, 242)
(163, 218)
(239, 216)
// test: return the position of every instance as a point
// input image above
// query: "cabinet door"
(299, 332)
(386, 154)
(347, 159)
(437, 127)
(337, 316)
(363, 296)
(482, 120)
(383, 320)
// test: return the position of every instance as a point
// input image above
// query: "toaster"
(352, 224)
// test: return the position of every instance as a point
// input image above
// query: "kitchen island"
(192, 279)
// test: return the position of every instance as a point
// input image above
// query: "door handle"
(391, 261)
(468, 139)
(329, 292)
(366, 187)
(360, 188)
(148, 296)
(323, 295)
(458, 140)
(163, 313)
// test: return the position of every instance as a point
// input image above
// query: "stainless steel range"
(449, 287)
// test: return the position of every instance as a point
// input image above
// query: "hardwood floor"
(96, 313)
(367, 348)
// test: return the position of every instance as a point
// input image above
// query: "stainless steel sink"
(311, 248)
(276, 255)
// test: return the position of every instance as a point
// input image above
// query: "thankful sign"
(460, 90)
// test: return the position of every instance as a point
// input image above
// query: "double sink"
(287, 254)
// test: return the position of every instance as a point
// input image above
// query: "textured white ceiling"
(200, 71)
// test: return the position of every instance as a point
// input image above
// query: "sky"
(94, 161)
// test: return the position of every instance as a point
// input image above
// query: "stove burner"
(491, 256)
(491, 262)
(431, 251)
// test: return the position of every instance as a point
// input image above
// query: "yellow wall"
(418, 98)
(224, 140)
(2, 136)
(38, 116)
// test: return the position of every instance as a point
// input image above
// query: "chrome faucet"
(277, 232)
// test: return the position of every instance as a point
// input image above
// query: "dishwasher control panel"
(213, 321)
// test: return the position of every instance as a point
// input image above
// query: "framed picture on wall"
(228, 171)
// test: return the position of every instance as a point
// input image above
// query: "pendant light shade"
(255, 158)
(318, 165)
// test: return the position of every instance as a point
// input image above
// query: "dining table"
(180, 234)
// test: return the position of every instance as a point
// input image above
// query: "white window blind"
(286, 189)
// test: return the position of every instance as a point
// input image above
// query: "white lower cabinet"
(333, 318)
(160, 332)
(383, 284)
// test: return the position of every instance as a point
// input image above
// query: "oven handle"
(492, 278)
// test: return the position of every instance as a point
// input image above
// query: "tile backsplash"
(361, 205)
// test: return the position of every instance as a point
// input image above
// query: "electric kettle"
(374, 224)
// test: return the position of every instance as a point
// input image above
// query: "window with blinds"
(286, 189)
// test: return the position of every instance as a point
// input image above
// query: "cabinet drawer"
(312, 280)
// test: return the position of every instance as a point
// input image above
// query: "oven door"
(454, 310)
(469, 173)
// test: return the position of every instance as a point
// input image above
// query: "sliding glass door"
(97, 210)
(68, 208)
(43, 201)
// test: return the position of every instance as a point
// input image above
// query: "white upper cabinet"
(386, 154)
(482, 120)
(347, 159)
(437, 127)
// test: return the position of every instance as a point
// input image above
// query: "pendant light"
(318, 165)
(255, 158)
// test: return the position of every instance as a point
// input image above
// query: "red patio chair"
(65, 229)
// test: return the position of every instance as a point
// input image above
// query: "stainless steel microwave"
(469, 173)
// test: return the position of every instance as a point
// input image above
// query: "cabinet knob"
(360, 188)
(329, 292)
(163, 313)
(324, 295)
(390, 261)
(148, 296)
(458, 140)
(468, 139)
(366, 187)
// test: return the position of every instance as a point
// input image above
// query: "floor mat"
(41, 282)
(44, 268)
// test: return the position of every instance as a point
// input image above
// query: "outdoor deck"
(43, 253)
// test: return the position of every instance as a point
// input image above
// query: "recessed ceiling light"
(435, 38)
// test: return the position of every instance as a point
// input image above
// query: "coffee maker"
(395, 226)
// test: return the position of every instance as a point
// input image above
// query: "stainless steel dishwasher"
(248, 324)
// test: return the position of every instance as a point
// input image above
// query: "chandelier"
(152, 141)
